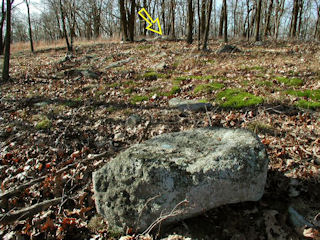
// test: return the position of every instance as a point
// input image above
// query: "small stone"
(119, 137)
(90, 74)
(160, 66)
(133, 120)
(189, 105)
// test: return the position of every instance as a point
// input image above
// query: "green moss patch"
(144, 47)
(73, 102)
(311, 101)
(208, 88)
(290, 81)
(253, 68)
(311, 94)
(152, 75)
(264, 83)
(139, 98)
(308, 104)
(43, 124)
(236, 98)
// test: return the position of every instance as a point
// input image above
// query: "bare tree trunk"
(6, 60)
(65, 33)
(235, 18)
(267, 27)
(279, 13)
(29, 25)
(163, 14)
(199, 25)
(190, 22)
(301, 2)
(132, 19)
(294, 19)
(173, 30)
(225, 38)
(248, 14)
(317, 28)
(215, 17)
(3, 16)
(258, 16)
(206, 36)
(221, 21)
(203, 19)
(123, 20)
(144, 22)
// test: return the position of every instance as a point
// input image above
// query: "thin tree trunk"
(300, 16)
(190, 22)
(3, 16)
(69, 46)
(199, 25)
(132, 19)
(173, 30)
(221, 21)
(267, 27)
(203, 19)
(294, 19)
(123, 20)
(163, 14)
(225, 21)
(6, 60)
(248, 14)
(29, 25)
(258, 15)
(317, 29)
(235, 18)
(206, 36)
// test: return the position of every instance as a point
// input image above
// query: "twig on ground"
(28, 211)
(145, 130)
(16, 190)
(65, 130)
(174, 212)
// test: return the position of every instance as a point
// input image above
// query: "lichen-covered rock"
(208, 167)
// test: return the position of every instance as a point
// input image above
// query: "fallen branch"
(20, 188)
(28, 211)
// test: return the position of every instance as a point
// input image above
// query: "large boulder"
(208, 167)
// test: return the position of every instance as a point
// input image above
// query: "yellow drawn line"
(151, 22)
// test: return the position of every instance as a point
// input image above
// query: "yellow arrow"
(151, 22)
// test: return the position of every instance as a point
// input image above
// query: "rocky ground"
(63, 117)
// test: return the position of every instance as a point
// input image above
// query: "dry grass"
(40, 45)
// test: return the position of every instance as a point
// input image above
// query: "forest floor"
(64, 117)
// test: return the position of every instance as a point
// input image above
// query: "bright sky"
(35, 6)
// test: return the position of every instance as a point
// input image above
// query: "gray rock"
(89, 74)
(259, 43)
(228, 49)
(41, 104)
(207, 167)
(160, 66)
(133, 120)
(189, 105)
(81, 73)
